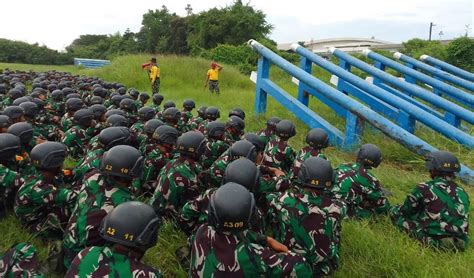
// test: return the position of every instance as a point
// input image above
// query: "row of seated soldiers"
(223, 187)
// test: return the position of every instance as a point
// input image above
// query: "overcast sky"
(56, 23)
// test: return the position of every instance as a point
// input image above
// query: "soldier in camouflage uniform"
(10, 181)
(317, 139)
(238, 112)
(144, 114)
(436, 212)
(268, 134)
(21, 260)
(234, 129)
(187, 114)
(164, 141)
(178, 180)
(215, 145)
(143, 99)
(115, 102)
(128, 106)
(145, 139)
(15, 113)
(44, 203)
(243, 148)
(72, 105)
(22, 163)
(278, 153)
(201, 116)
(100, 193)
(212, 114)
(308, 220)
(132, 228)
(226, 248)
(172, 117)
(358, 188)
(157, 100)
(76, 138)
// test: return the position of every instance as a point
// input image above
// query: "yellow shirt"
(154, 73)
(213, 74)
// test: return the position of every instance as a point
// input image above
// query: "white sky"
(56, 23)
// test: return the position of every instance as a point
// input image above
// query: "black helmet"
(202, 111)
(23, 130)
(83, 117)
(74, 104)
(68, 91)
(3, 89)
(166, 135)
(285, 129)
(151, 125)
(127, 104)
(116, 120)
(316, 172)
(39, 103)
(231, 208)
(116, 100)
(115, 112)
(98, 110)
(57, 95)
(157, 99)
(237, 112)
(255, 140)
(72, 95)
(243, 148)
(9, 146)
(243, 172)
(14, 112)
(133, 93)
(317, 138)
(15, 93)
(20, 100)
(369, 155)
(5, 121)
(48, 155)
(133, 224)
(96, 100)
(114, 136)
(191, 144)
(122, 161)
(51, 87)
(236, 122)
(100, 92)
(171, 114)
(442, 161)
(146, 113)
(168, 104)
(30, 108)
(144, 97)
(273, 121)
(215, 130)
(121, 91)
(212, 113)
(189, 104)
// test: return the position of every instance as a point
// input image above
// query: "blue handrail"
(448, 67)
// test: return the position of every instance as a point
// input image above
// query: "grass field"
(369, 248)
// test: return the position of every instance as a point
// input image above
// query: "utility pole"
(431, 29)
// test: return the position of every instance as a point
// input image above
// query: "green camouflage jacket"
(279, 154)
(66, 122)
(217, 254)
(89, 162)
(20, 261)
(195, 122)
(437, 213)
(309, 224)
(10, 182)
(214, 148)
(301, 157)
(76, 141)
(267, 135)
(360, 190)
(104, 262)
(154, 162)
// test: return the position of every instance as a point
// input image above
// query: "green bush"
(460, 52)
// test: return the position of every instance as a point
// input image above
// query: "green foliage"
(241, 56)
(417, 47)
(461, 53)
(21, 52)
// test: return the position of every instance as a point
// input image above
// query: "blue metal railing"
(406, 112)
(438, 74)
(356, 113)
(412, 76)
(448, 67)
(90, 63)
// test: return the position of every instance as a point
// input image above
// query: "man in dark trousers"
(212, 78)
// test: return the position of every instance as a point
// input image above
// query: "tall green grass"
(370, 248)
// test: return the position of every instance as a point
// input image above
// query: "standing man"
(213, 78)
(154, 72)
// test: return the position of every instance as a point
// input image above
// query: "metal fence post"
(353, 130)
(303, 95)
(263, 72)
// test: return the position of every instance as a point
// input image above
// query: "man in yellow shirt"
(154, 73)
(213, 78)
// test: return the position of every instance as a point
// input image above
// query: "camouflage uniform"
(66, 122)
(154, 162)
(231, 138)
(155, 107)
(267, 135)
(10, 182)
(214, 148)
(44, 207)
(76, 141)
(195, 122)
(137, 128)
(360, 190)
(237, 255)
(177, 184)
(279, 154)
(310, 225)
(186, 117)
(202, 127)
(20, 261)
(304, 154)
(436, 213)
(217, 169)
(98, 197)
(88, 163)
(104, 262)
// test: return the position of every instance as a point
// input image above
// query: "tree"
(156, 29)
(461, 53)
